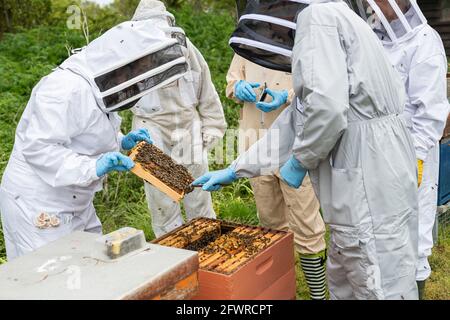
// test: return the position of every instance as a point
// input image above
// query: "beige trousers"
(284, 208)
(279, 206)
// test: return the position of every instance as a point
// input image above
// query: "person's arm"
(57, 117)
(270, 152)
(427, 90)
(236, 72)
(320, 75)
(209, 106)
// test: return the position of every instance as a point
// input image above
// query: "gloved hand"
(293, 173)
(113, 161)
(243, 90)
(131, 139)
(213, 181)
(419, 171)
(209, 141)
(279, 98)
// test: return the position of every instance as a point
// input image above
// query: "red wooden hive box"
(267, 275)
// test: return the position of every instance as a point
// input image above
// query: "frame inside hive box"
(160, 170)
(238, 261)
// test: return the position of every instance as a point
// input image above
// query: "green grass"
(438, 285)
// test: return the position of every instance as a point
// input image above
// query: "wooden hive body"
(269, 275)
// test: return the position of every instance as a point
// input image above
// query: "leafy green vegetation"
(29, 54)
(23, 13)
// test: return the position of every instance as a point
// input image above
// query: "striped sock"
(313, 267)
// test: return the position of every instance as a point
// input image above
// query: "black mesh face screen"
(128, 93)
(266, 32)
(263, 58)
(286, 10)
(180, 37)
(127, 106)
(138, 67)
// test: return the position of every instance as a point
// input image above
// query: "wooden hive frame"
(177, 241)
(223, 264)
(147, 176)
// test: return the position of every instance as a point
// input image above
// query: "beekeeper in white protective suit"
(417, 52)
(297, 210)
(185, 119)
(69, 136)
(347, 131)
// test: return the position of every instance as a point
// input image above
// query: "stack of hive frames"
(219, 251)
(223, 256)
(267, 275)
(193, 236)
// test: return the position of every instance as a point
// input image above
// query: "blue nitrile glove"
(279, 98)
(113, 161)
(131, 139)
(213, 181)
(243, 90)
(293, 173)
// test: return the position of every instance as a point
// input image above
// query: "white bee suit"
(419, 56)
(184, 118)
(67, 126)
(422, 63)
(347, 130)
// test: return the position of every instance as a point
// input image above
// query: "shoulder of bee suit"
(73, 83)
(428, 44)
(75, 88)
(194, 56)
(323, 13)
(76, 96)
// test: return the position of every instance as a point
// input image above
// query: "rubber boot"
(421, 288)
(314, 269)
